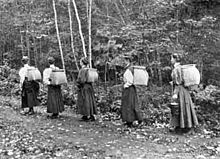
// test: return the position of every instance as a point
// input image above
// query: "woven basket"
(141, 76)
(33, 74)
(58, 77)
(191, 75)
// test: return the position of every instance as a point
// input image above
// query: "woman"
(129, 109)
(29, 89)
(86, 99)
(184, 117)
(54, 97)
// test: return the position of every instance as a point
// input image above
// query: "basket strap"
(132, 70)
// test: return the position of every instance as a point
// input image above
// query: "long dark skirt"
(54, 99)
(186, 118)
(86, 104)
(129, 108)
(29, 94)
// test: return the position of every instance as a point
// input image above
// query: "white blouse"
(47, 72)
(23, 73)
(128, 78)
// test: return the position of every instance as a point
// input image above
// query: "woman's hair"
(24, 59)
(128, 57)
(176, 57)
(85, 60)
(51, 60)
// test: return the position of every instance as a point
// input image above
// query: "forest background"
(104, 30)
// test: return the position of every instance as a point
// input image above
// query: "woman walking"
(29, 89)
(129, 109)
(184, 116)
(54, 97)
(86, 99)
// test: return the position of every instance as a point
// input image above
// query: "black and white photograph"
(109, 79)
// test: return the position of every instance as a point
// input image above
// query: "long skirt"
(29, 94)
(54, 99)
(186, 117)
(86, 104)
(129, 108)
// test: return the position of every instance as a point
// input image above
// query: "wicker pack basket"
(92, 75)
(58, 77)
(33, 74)
(140, 74)
(190, 75)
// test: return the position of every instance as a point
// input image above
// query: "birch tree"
(58, 35)
(80, 28)
(71, 34)
(90, 38)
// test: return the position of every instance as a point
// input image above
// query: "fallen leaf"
(200, 157)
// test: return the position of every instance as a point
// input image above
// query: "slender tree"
(90, 38)
(71, 34)
(80, 28)
(58, 36)
(22, 43)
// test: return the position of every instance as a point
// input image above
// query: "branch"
(115, 3)
(102, 15)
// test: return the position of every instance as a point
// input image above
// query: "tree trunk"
(71, 34)
(35, 52)
(2, 55)
(87, 9)
(80, 28)
(41, 53)
(90, 28)
(28, 45)
(159, 68)
(22, 48)
(1, 43)
(201, 69)
(58, 36)
(148, 61)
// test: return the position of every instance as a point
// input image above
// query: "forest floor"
(38, 137)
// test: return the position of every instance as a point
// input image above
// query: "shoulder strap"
(131, 69)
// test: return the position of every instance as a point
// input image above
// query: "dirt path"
(38, 137)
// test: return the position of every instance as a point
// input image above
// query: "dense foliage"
(148, 30)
